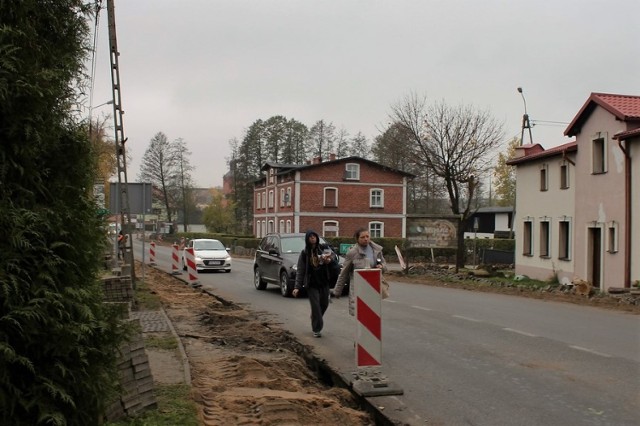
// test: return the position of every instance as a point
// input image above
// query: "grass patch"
(146, 300)
(175, 407)
(164, 342)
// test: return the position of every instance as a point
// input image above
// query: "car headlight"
(198, 259)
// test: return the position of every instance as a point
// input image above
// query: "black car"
(276, 261)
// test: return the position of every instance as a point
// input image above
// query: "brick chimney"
(332, 157)
(317, 160)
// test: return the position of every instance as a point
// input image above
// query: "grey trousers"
(319, 301)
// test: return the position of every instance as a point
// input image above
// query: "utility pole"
(526, 124)
(120, 141)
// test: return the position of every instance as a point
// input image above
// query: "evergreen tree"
(57, 339)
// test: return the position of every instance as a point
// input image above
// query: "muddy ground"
(245, 369)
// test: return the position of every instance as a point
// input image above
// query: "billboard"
(433, 231)
(139, 198)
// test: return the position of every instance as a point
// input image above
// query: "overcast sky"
(205, 70)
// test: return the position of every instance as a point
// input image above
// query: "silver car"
(210, 255)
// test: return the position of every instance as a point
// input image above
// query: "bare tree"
(166, 166)
(456, 144)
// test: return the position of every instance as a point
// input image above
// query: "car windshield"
(208, 245)
(295, 244)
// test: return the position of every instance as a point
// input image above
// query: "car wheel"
(227, 270)
(258, 281)
(285, 288)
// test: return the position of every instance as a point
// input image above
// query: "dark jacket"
(304, 268)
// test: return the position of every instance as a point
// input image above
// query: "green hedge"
(388, 244)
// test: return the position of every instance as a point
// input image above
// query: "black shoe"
(317, 334)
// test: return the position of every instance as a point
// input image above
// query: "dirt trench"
(245, 369)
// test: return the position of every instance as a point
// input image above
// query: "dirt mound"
(245, 369)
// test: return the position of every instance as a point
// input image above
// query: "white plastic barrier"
(191, 267)
(175, 261)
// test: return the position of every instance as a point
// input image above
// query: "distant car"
(210, 255)
(276, 261)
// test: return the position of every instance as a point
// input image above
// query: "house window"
(544, 237)
(352, 171)
(271, 199)
(376, 229)
(264, 228)
(544, 178)
(288, 226)
(282, 198)
(331, 197)
(330, 228)
(281, 226)
(376, 198)
(564, 176)
(258, 229)
(564, 239)
(271, 173)
(270, 228)
(288, 196)
(599, 156)
(264, 200)
(612, 234)
(258, 201)
(527, 241)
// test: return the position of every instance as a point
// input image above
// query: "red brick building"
(334, 198)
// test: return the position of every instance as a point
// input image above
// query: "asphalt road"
(470, 358)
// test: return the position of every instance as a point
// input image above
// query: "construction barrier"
(368, 317)
(152, 253)
(191, 267)
(175, 261)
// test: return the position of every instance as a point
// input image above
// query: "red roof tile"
(623, 107)
(557, 150)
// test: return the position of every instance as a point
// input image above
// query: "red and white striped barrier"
(368, 317)
(175, 260)
(191, 267)
(152, 253)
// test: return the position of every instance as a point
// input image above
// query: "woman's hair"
(358, 232)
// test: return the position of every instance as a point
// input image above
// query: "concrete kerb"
(183, 354)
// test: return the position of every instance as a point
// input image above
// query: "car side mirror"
(274, 252)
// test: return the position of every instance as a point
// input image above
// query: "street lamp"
(109, 102)
(525, 119)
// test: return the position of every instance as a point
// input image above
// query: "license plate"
(213, 262)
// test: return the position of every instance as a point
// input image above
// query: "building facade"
(582, 224)
(334, 198)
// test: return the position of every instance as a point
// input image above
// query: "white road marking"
(421, 308)
(524, 333)
(591, 351)
(466, 318)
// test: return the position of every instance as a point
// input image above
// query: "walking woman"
(314, 267)
(363, 255)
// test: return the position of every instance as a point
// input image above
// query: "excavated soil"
(245, 370)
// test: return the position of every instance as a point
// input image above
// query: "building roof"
(537, 154)
(286, 168)
(623, 107)
(629, 134)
